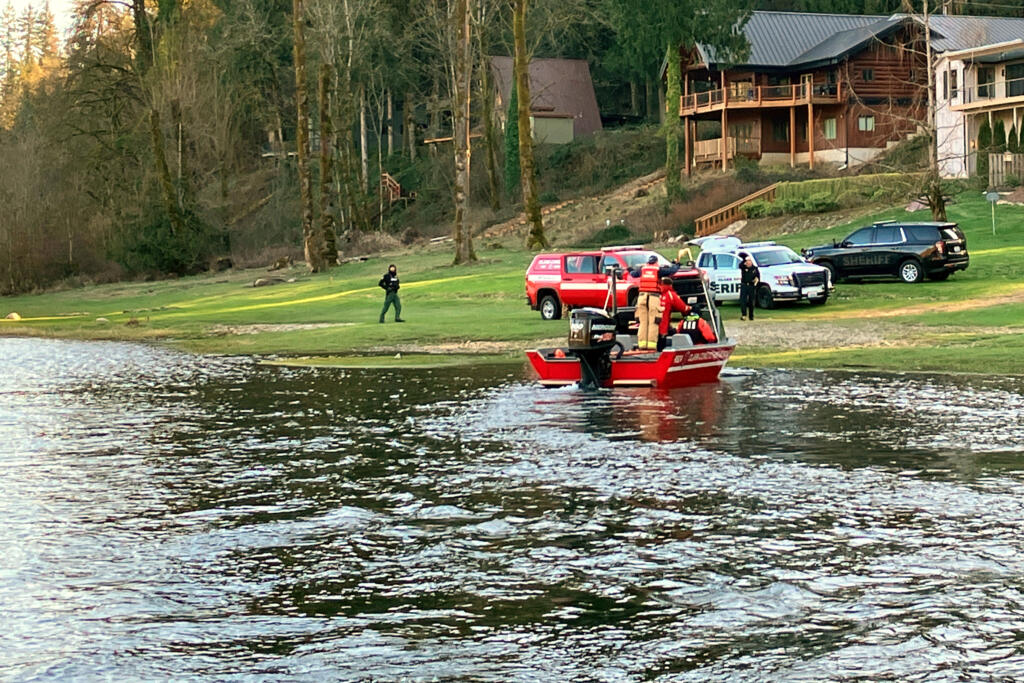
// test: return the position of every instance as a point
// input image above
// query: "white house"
(973, 85)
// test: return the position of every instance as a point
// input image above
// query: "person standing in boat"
(648, 302)
(750, 278)
(670, 303)
(389, 283)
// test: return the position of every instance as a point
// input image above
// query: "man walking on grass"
(389, 283)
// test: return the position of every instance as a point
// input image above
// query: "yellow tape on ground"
(46, 317)
(314, 299)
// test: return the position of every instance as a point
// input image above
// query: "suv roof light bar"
(885, 222)
(623, 247)
(758, 244)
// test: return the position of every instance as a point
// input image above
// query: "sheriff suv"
(580, 278)
(908, 251)
(785, 275)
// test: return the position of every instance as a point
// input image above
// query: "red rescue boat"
(600, 347)
(668, 369)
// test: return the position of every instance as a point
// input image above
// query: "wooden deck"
(746, 96)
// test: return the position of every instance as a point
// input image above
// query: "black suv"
(908, 251)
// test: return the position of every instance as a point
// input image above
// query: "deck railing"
(711, 150)
(716, 220)
(747, 95)
(993, 90)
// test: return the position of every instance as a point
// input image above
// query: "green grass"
(972, 322)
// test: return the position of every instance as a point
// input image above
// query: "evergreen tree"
(512, 144)
(984, 147)
(655, 31)
(1013, 141)
(998, 137)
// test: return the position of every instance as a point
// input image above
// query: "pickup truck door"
(723, 274)
(581, 283)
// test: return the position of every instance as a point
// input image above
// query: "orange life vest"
(649, 279)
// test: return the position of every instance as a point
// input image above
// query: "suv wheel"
(631, 298)
(764, 297)
(550, 309)
(818, 301)
(910, 271)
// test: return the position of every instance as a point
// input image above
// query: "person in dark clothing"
(389, 283)
(750, 278)
(663, 271)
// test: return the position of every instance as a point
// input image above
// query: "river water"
(165, 516)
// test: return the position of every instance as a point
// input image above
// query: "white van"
(785, 275)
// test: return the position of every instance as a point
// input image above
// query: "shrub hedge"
(829, 194)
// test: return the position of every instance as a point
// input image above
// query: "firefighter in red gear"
(648, 303)
(698, 329)
(670, 303)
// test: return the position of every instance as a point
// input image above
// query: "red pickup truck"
(579, 278)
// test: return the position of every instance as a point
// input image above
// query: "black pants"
(747, 301)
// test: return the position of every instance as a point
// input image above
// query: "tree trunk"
(649, 99)
(143, 37)
(164, 174)
(409, 126)
(312, 245)
(535, 238)
(184, 179)
(461, 82)
(936, 200)
(671, 126)
(330, 254)
(391, 124)
(487, 113)
(634, 97)
(364, 156)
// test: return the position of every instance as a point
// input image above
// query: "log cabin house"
(815, 88)
(860, 80)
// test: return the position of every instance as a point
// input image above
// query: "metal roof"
(805, 40)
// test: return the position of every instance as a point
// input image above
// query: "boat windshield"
(777, 257)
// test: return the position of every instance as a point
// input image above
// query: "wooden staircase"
(716, 220)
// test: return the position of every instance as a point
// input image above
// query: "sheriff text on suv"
(908, 251)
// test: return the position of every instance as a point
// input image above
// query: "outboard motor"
(591, 338)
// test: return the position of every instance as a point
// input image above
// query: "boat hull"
(667, 369)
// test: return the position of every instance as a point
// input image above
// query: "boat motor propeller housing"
(591, 338)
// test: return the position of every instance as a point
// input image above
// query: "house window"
(945, 85)
(986, 82)
(780, 131)
(866, 123)
(1015, 80)
(868, 74)
(952, 83)
(829, 125)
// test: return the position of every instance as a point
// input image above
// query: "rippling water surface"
(164, 516)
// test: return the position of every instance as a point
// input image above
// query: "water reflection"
(166, 516)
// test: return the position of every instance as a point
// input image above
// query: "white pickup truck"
(785, 275)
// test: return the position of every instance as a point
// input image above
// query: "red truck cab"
(579, 278)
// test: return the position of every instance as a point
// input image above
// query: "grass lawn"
(972, 322)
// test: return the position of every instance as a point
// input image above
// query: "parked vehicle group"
(908, 251)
